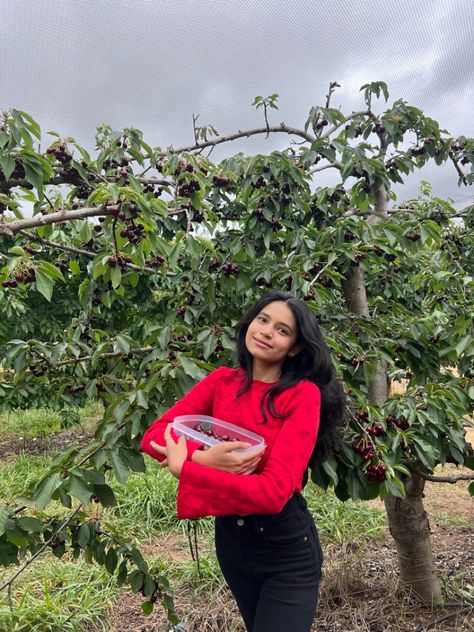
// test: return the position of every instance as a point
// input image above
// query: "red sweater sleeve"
(205, 491)
(198, 401)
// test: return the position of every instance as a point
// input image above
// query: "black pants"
(272, 564)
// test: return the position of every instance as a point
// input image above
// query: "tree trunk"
(378, 387)
(407, 518)
(354, 292)
(410, 529)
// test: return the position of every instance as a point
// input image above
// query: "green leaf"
(330, 467)
(33, 126)
(135, 580)
(44, 491)
(142, 399)
(471, 488)
(196, 200)
(7, 165)
(147, 607)
(51, 270)
(8, 553)
(120, 467)
(3, 519)
(79, 489)
(74, 266)
(137, 557)
(83, 535)
(33, 172)
(111, 560)
(116, 277)
(395, 487)
(30, 524)
(121, 344)
(462, 344)
(106, 495)
(191, 368)
(44, 284)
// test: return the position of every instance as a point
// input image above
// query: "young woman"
(285, 390)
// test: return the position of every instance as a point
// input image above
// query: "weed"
(17, 476)
(146, 504)
(58, 596)
(341, 521)
(455, 521)
(42, 421)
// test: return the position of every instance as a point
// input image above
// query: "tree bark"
(410, 529)
(354, 292)
(408, 522)
(378, 387)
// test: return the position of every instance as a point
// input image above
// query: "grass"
(146, 504)
(185, 574)
(17, 476)
(341, 521)
(58, 596)
(42, 421)
(455, 521)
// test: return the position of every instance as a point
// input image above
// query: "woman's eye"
(283, 332)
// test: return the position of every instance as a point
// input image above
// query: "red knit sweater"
(204, 491)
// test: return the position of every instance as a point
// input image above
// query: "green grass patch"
(17, 476)
(341, 521)
(146, 505)
(455, 521)
(42, 421)
(58, 596)
(206, 579)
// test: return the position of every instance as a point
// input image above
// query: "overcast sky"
(73, 64)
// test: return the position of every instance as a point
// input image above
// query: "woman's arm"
(203, 491)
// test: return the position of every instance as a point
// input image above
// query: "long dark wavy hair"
(312, 363)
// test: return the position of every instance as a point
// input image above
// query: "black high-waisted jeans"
(272, 564)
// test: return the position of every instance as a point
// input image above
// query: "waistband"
(295, 499)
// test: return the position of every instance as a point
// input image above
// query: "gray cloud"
(76, 63)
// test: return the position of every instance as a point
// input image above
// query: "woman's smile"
(261, 343)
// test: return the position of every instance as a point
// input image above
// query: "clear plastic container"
(209, 431)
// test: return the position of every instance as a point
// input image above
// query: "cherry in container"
(209, 431)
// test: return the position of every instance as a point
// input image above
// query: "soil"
(12, 446)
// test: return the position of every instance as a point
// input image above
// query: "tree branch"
(22, 182)
(85, 253)
(461, 174)
(438, 479)
(332, 129)
(110, 354)
(30, 560)
(286, 129)
(335, 164)
(332, 86)
(445, 617)
(10, 228)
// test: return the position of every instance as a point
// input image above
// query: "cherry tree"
(126, 282)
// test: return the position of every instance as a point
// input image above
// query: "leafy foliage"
(134, 308)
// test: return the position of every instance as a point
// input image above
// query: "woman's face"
(272, 334)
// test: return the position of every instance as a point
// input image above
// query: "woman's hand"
(159, 449)
(177, 452)
(222, 457)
